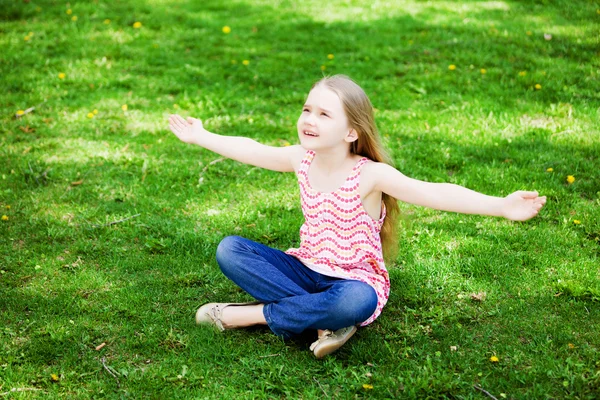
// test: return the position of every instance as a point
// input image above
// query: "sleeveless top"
(338, 238)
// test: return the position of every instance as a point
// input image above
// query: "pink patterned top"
(338, 237)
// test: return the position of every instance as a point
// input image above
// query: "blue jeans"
(296, 298)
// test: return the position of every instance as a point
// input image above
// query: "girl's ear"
(352, 136)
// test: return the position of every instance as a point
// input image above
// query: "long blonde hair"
(359, 112)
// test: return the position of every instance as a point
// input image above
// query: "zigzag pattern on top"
(339, 238)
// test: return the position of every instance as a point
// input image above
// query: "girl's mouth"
(309, 133)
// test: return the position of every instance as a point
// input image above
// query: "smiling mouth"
(308, 133)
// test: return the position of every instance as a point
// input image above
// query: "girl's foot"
(212, 313)
(330, 341)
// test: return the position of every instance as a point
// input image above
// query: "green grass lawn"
(110, 224)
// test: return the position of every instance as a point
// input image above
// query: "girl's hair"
(359, 111)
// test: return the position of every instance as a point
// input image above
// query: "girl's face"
(323, 123)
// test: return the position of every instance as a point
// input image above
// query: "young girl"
(336, 279)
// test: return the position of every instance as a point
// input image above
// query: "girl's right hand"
(188, 131)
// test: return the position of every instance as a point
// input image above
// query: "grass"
(70, 280)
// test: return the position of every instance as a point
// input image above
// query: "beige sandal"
(211, 313)
(330, 341)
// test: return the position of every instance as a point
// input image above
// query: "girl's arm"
(238, 148)
(518, 206)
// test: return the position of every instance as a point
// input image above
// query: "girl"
(336, 279)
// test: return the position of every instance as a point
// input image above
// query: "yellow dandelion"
(95, 111)
(226, 30)
(61, 75)
(550, 170)
(483, 71)
(451, 67)
(74, 18)
(538, 86)
(69, 11)
(571, 345)
(494, 359)
(576, 222)
(366, 386)
(137, 25)
(522, 73)
(54, 377)
(323, 67)
(570, 179)
(124, 107)
(330, 56)
(5, 218)
(7, 207)
(20, 112)
(106, 21)
(246, 62)
(90, 115)
(27, 38)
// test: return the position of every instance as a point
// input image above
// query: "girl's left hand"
(521, 206)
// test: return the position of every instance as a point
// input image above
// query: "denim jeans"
(296, 298)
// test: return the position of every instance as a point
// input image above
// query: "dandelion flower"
(226, 30)
(20, 112)
(124, 107)
(246, 62)
(522, 73)
(550, 170)
(451, 67)
(27, 38)
(7, 207)
(570, 179)
(576, 222)
(323, 67)
(90, 115)
(106, 21)
(366, 386)
(137, 25)
(5, 218)
(483, 71)
(571, 345)
(74, 18)
(538, 86)
(54, 377)
(330, 56)
(494, 359)
(61, 75)
(69, 11)
(95, 111)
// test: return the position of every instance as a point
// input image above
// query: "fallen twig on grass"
(485, 391)
(14, 390)
(122, 220)
(270, 355)
(113, 372)
(211, 163)
(323, 390)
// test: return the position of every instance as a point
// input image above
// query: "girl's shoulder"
(296, 154)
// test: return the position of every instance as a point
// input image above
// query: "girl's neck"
(330, 162)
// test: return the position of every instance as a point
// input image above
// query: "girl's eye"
(305, 110)
(325, 114)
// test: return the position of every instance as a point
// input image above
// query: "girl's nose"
(310, 119)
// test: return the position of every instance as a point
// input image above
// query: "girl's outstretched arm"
(518, 206)
(238, 148)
